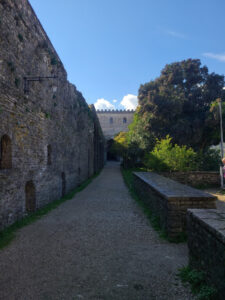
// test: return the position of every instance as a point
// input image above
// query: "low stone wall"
(194, 178)
(169, 200)
(206, 243)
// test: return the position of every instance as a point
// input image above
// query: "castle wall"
(55, 138)
(113, 122)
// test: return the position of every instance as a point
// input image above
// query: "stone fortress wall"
(50, 140)
(114, 121)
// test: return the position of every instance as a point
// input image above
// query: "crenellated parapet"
(115, 111)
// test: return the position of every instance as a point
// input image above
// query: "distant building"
(114, 121)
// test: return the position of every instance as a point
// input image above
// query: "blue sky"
(110, 47)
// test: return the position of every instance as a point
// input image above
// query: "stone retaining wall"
(169, 200)
(195, 178)
(206, 243)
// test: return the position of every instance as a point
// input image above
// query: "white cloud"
(220, 57)
(103, 104)
(114, 100)
(129, 101)
(176, 34)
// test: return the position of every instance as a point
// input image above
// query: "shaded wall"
(54, 135)
(206, 243)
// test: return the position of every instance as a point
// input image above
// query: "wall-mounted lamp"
(39, 78)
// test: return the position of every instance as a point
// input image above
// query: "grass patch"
(17, 82)
(197, 281)
(54, 61)
(47, 115)
(154, 220)
(20, 37)
(8, 234)
(221, 192)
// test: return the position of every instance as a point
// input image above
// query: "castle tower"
(114, 121)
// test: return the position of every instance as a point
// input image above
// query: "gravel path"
(98, 245)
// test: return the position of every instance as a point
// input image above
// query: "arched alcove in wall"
(6, 152)
(30, 196)
(110, 154)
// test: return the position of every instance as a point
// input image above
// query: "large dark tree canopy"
(178, 103)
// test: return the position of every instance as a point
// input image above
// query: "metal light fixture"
(27, 81)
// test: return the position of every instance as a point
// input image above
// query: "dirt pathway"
(97, 246)
(220, 203)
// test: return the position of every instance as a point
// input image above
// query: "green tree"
(179, 103)
(120, 144)
(139, 134)
(130, 151)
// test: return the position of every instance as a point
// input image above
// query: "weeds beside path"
(8, 234)
(154, 220)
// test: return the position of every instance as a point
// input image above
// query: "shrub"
(132, 157)
(208, 160)
(54, 61)
(17, 82)
(197, 281)
(168, 157)
(47, 115)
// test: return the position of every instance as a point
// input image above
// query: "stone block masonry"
(194, 178)
(169, 200)
(50, 140)
(114, 121)
(206, 243)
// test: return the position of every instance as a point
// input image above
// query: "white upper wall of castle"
(113, 123)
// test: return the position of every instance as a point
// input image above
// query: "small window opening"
(89, 171)
(63, 176)
(124, 120)
(49, 155)
(111, 120)
(6, 153)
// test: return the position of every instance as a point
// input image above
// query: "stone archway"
(110, 154)
(30, 196)
(6, 152)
